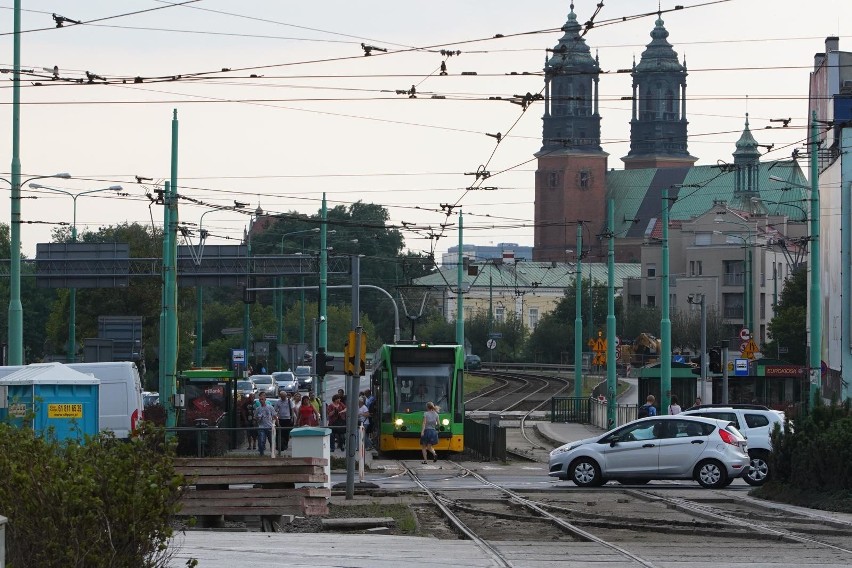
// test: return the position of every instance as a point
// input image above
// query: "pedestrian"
(429, 431)
(314, 402)
(337, 421)
(247, 421)
(648, 408)
(696, 404)
(674, 407)
(364, 420)
(285, 412)
(307, 414)
(264, 415)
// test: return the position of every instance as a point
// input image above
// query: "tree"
(788, 327)
(686, 328)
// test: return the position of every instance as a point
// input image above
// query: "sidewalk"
(558, 433)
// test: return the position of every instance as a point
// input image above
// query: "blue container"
(50, 395)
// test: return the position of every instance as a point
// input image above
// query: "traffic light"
(714, 358)
(696, 362)
(323, 360)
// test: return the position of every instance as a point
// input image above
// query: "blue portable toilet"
(48, 395)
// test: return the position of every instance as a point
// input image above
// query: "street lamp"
(16, 310)
(71, 354)
(699, 299)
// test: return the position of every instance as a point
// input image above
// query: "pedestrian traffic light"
(696, 362)
(323, 362)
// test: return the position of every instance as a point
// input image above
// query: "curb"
(556, 443)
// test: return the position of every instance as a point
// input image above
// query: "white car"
(712, 452)
(756, 423)
(265, 384)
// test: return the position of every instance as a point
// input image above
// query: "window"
(703, 239)
(634, 300)
(652, 301)
(500, 315)
(699, 265)
(763, 306)
(733, 306)
(553, 180)
(692, 268)
(533, 318)
(584, 178)
(652, 270)
(756, 420)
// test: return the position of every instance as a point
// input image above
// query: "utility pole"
(352, 381)
(611, 380)
(460, 297)
(814, 304)
(578, 316)
(322, 340)
(665, 321)
(725, 344)
(16, 309)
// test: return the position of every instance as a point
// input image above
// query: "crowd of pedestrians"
(258, 416)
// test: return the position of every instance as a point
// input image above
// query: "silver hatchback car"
(712, 452)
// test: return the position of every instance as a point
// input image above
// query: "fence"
(487, 440)
(589, 411)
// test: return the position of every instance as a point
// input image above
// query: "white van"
(120, 398)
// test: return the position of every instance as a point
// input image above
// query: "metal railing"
(486, 440)
(589, 411)
(733, 279)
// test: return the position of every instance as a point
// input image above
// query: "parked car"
(150, 398)
(286, 381)
(712, 452)
(265, 383)
(303, 375)
(472, 362)
(756, 423)
(246, 387)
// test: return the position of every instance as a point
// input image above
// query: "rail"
(497, 366)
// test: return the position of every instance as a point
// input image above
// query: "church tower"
(570, 182)
(747, 163)
(658, 124)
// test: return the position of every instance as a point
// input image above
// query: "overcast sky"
(319, 116)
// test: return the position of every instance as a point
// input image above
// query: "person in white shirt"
(674, 407)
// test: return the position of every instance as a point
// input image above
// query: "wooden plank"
(227, 462)
(251, 494)
(257, 479)
(204, 471)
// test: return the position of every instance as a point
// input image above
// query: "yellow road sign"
(750, 350)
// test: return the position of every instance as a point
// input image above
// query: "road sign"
(238, 356)
(270, 337)
(232, 331)
(782, 350)
(599, 359)
(745, 334)
(741, 367)
(491, 343)
(678, 359)
(750, 350)
(496, 335)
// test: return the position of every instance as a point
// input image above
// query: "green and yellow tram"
(404, 379)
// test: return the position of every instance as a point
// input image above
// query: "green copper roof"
(572, 51)
(659, 55)
(746, 145)
(638, 193)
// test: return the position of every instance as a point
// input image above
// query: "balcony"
(733, 279)
(734, 312)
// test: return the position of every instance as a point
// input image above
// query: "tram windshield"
(417, 385)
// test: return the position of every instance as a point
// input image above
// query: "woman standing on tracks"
(429, 431)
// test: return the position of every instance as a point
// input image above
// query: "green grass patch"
(474, 383)
(402, 515)
(837, 501)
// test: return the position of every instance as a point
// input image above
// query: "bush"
(817, 455)
(103, 503)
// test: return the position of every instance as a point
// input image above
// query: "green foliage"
(686, 328)
(511, 344)
(103, 503)
(816, 456)
(789, 327)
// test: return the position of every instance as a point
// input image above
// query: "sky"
(303, 111)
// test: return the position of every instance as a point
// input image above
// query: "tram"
(404, 379)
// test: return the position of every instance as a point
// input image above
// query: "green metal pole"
(490, 308)
(302, 310)
(460, 295)
(323, 283)
(16, 310)
(815, 306)
(199, 325)
(749, 300)
(161, 368)
(71, 356)
(578, 316)
(611, 381)
(171, 314)
(279, 317)
(665, 322)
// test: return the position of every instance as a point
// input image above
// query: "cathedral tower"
(658, 124)
(570, 182)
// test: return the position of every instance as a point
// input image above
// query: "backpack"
(643, 411)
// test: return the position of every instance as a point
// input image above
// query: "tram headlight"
(398, 422)
(445, 421)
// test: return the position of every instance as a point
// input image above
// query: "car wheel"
(585, 472)
(633, 481)
(758, 472)
(711, 474)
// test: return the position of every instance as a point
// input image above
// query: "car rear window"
(729, 416)
(756, 420)
(262, 380)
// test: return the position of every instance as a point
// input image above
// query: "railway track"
(628, 526)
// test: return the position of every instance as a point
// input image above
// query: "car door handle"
(697, 442)
(649, 445)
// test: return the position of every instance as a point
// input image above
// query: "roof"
(638, 193)
(659, 55)
(40, 373)
(571, 52)
(525, 275)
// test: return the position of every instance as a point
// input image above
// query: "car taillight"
(133, 418)
(728, 438)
